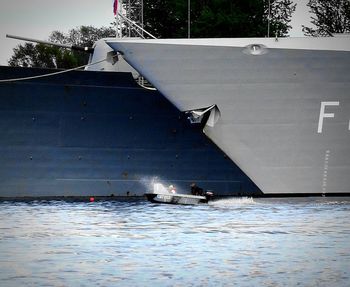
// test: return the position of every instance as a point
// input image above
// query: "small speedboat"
(178, 198)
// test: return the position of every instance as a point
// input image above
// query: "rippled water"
(235, 242)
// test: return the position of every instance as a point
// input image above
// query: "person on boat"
(196, 190)
(172, 189)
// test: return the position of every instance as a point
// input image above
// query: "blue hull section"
(97, 133)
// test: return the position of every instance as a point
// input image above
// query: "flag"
(115, 7)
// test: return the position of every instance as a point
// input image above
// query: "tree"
(225, 18)
(165, 18)
(46, 56)
(217, 18)
(330, 16)
(281, 12)
(38, 55)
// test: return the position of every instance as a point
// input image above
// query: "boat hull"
(284, 112)
(183, 199)
(88, 133)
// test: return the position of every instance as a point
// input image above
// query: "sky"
(38, 18)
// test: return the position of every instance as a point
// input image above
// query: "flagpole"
(118, 27)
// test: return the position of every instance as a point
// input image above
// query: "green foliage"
(165, 17)
(330, 16)
(280, 15)
(230, 19)
(46, 56)
(30, 55)
(217, 18)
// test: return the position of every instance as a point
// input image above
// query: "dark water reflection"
(233, 242)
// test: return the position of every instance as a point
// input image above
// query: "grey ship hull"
(284, 105)
(100, 134)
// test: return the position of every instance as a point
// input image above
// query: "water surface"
(230, 242)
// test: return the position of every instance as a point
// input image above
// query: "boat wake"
(229, 202)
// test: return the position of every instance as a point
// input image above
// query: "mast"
(130, 19)
(134, 12)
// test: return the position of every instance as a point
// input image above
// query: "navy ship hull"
(279, 108)
(87, 133)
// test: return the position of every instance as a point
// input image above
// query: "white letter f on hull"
(325, 115)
